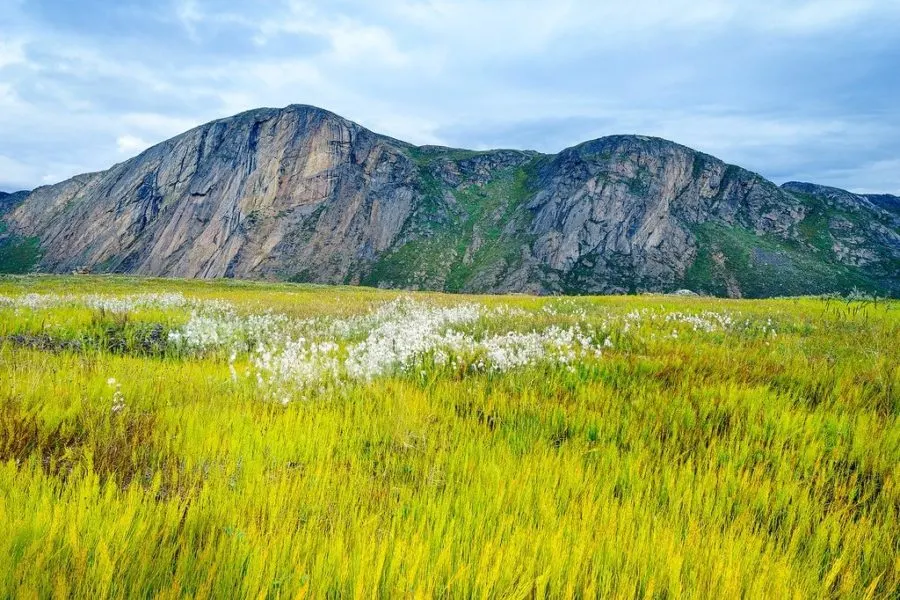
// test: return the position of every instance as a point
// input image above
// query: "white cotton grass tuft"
(405, 335)
(116, 304)
(406, 330)
(118, 398)
(410, 336)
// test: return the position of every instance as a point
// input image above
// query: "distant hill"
(9, 201)
(302, 194)
(885, 201)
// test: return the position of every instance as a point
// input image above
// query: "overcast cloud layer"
(802, 90)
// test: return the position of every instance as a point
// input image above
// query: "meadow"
(173, 439)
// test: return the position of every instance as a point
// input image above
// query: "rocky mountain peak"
(301, 193)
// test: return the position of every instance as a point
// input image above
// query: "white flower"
(116, 304)
(118, 400)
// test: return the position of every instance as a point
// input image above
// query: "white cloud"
(351, 41)
(8, 97)
(156, 126)
(348, 39)
(189, 15)
(12, 52)
(877, 177)
(514, 26)
(707, 73)
(816, 16)
(415, 130)
(130, 144)
(284, 73)
(16, 174)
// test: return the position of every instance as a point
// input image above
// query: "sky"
(791, 89)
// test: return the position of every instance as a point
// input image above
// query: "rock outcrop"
(888, 202)
(302, 194)
(9, 201)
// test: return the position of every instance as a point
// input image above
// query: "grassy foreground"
(188, 439)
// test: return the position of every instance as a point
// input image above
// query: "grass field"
(193, 439)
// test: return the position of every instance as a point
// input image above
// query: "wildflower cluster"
(118, 399)
(407, 330)
(707, 321)
(400, 336)
(217, 325)
(555, 344)
(116, 304)
(300, 363)
(404, 336)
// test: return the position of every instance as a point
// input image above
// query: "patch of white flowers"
(407, 330)
(554, 344)
(674, 324)
(117, 304)
(219, 326)
(407, 335)
(300, 363)
(402, 336)
(707, 321)
(118, 399)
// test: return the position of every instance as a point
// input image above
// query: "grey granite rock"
(300, 193)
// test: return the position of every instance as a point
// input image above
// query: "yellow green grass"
(709, 464)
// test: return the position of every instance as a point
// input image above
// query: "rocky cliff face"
(619, 213)
(255, 195)
(888, 202)
(9, 201)
(302, 194)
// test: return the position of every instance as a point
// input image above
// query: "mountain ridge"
(303, 194)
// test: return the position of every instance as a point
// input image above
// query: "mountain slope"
(231, 198)
(303, 194)
(888, 202)
(9, 201)
(17, 254)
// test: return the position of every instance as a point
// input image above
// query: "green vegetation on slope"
(489, 210)
(17, 254)
(467, 241)
(713, 448)
(765, 265)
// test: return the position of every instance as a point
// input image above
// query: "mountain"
(302, 194)
(886, 201)
(17, 255)
(9, 201)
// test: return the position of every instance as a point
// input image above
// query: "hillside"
(302, 194)
(888, 202)
(9, 201)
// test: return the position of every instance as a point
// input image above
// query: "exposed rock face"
(836, 196)
(886, 201)
(619, 211)
(250, 196)
(9, 201)
(300, 193)
(861, 232)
